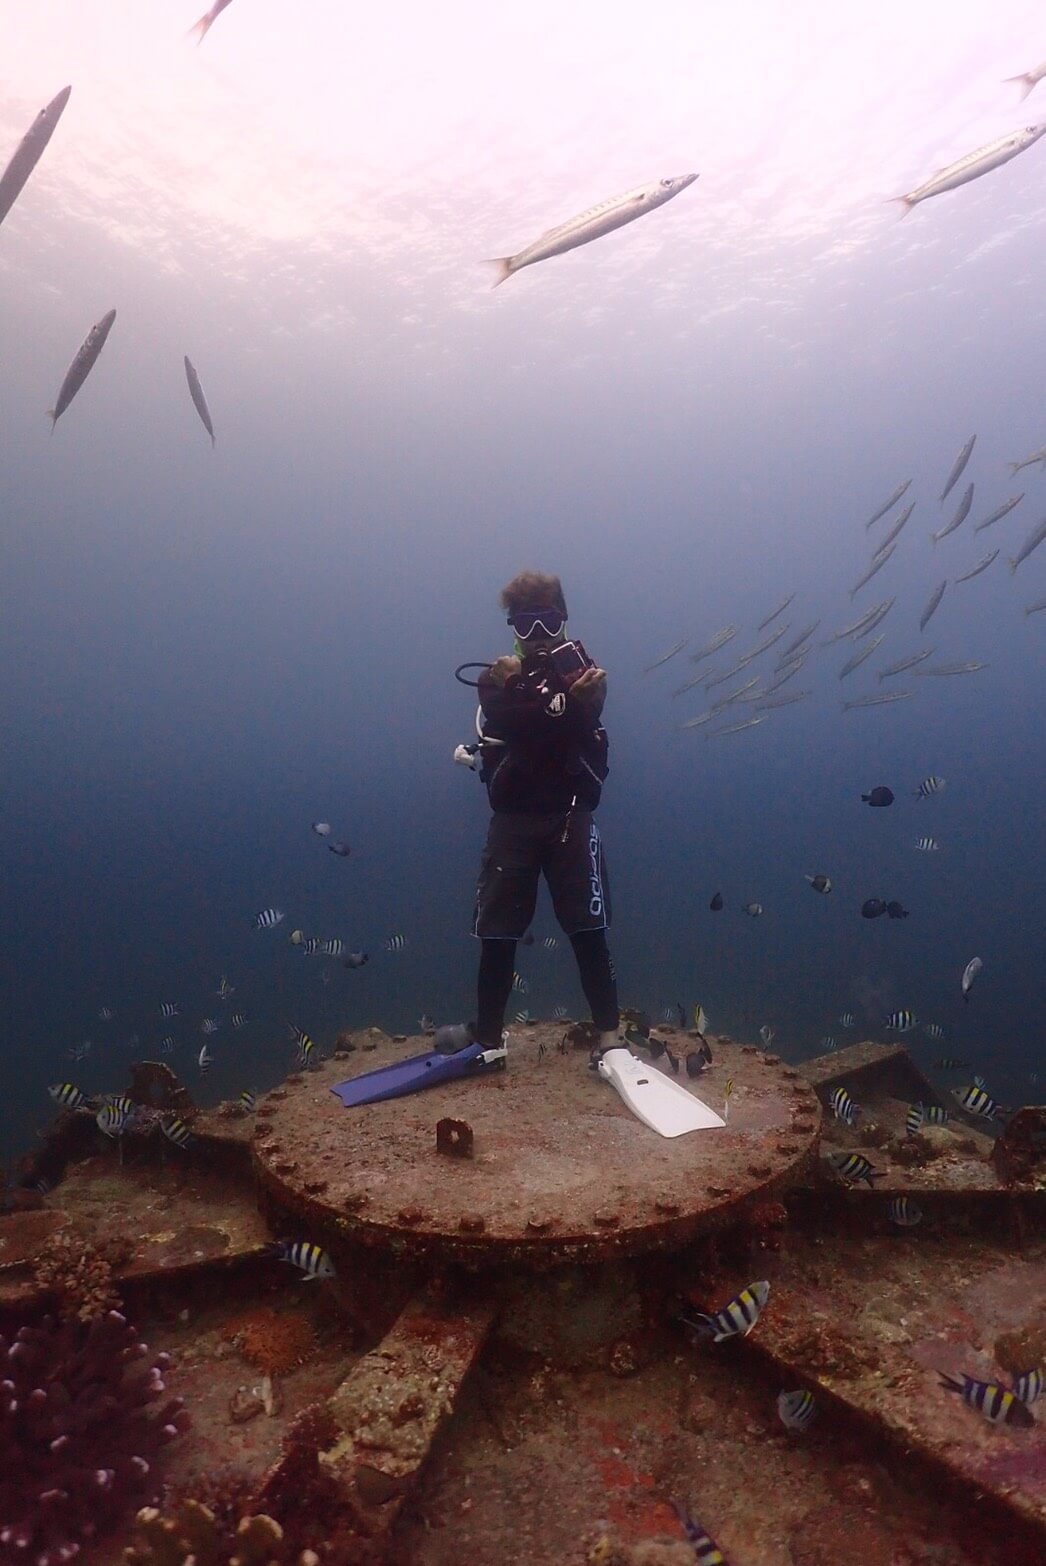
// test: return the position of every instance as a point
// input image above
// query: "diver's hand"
(502, 668)
(590, 687)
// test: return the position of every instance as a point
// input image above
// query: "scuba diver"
(543, 759)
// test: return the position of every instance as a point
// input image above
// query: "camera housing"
(569, 659)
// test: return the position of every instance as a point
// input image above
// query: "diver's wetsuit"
(543, 784)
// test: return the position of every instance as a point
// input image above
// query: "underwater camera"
(569, 660)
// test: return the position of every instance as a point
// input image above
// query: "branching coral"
(81, 1430)
(80, 1274)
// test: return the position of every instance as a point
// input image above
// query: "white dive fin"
(663, 1105)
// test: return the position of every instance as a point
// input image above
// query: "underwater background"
(204, 651)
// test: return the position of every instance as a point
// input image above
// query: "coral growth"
(274, 1341)
(80, 1274)
(194, 1535)
(81, 1432)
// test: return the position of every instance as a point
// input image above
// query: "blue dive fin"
(420, 1071)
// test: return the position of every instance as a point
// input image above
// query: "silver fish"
(931, 607)
(953, 668)
(982, 161)
(960, 462)
(959, 518)
(877, 564)
(1036, 456)
(81, 366)
(688, 685)
(1003, 510)
(721, 679)
(738, 695)
(200, 29)
(892, 534)
(771, 703)
(969, 974)
(858, 658)
(889, 505)
(789, 672)
(982, 565)
(669, 654)
(774, 613)
(877, 701)
(199, 400)
(906, 663)
(863, 624)
(720, 639)
(804, 636)
(696, 723)
(1035, 608)
(877, 616)
(735, 728)
(29, 151)
(1029, 80)
(593, 224)
(1032, 542)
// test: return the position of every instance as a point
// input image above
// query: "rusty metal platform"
(561, 1172)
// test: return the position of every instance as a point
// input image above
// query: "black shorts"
(518, 849)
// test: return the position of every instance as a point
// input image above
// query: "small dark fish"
(997, 1403)
(957, 467)
(698, 1060)
(166, 1045)
(170, 1009)
(820, 883)
(753, 909)
(333, 948)
(880, 795)
(199, 400)
(717, 902)
(896, 910)
(796, 1409)
(681, 1014)
(355, 960)
(738, 1316)
(847, 1019)
(341, 849)
(901, 1021)
(29, 151)
(904, 1212)
(969, 975)
(933, 1030)
(931, 605)
(82, 365)
(874, 908)
(239, 1019)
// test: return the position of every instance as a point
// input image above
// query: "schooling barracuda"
(29, 151)
(977, 163)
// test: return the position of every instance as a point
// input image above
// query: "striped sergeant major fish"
(225, 989)
(796, 1409)
(853, 1167)
(247, 1101)
(68, 1095)
(829, 1041)
(706, 1551)
(933, 1030)
(977, 1102)
(208, 1025)
(924, 1114)
(268, 919)
(559, 1013)
(170, 1009)
(519, 984)
(930, 785)
(550, 943)
(521, 1016)
(395, 943)
(310, 1258)
(949, 1063)
(738, 1317)
(205, 1060)
(844, 1107)
(927, 845)
(311, 946)
(239, 1019)
(333, 948)
(904, 1212)
(1029, 1386)
(304, 1043)
(166, 1045)
(901, 1021)
(997, 1403)
(847, 1020)
(112, 1119)
(176, 1131)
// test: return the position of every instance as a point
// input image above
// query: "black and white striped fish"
(1029, 1386)
(924, 1114)
(311, 946)
(550, 943)
(706, 1551)
(521, 1016)
(901, 1021)
(106, 1014)
(927, 845)
(847, 1020)
(170, 1009)
(904, 1212)
(166, 1045)
(796, 1409)
(247, 1101)
(68, 1095)
(176, 1131)
(519, 984)
(304, 1043)
(738, 1317)
(933, 1030)
(113, 1118)
(205, 1060)
(854, 1167)
(225, 989)
(997, 1403)
(268, 919)
(829, 1041)
(395, 943)
(928, 786)
(333, 948)
(977, 1102)
(239, 1019)
(310, 1258)
(208, 1025)
(559, 1013)
(844, 1107)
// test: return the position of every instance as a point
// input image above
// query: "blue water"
(206, 651)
